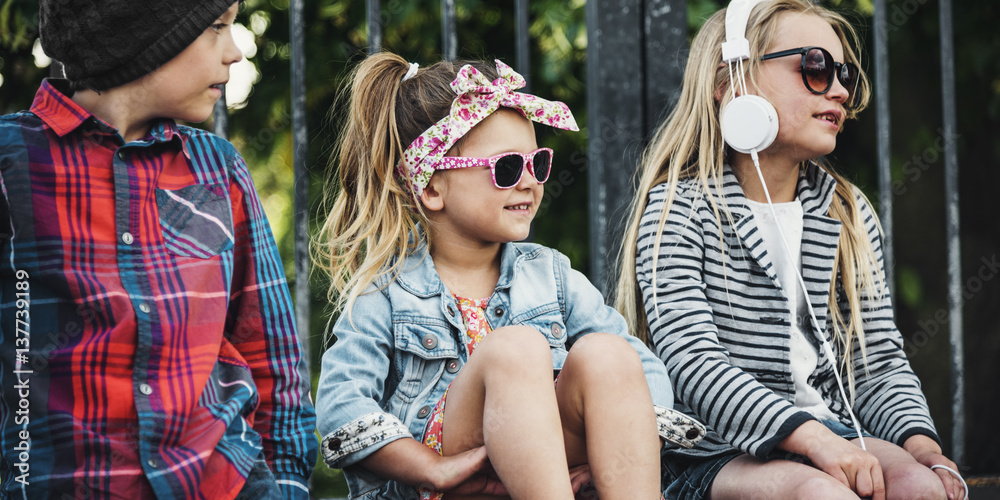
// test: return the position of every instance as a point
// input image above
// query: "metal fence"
(635, 59)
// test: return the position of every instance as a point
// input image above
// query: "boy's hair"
(689, 145)
(372, 223)
(107, 43)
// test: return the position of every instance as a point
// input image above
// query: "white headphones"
(749, 122)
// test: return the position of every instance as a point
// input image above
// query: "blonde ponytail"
(372, 221)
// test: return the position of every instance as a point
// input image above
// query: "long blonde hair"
(373, 221)
(689, 145)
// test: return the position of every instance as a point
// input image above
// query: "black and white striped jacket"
(721, 323)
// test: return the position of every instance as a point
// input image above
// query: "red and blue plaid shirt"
(147, 342)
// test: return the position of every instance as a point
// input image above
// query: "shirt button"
(144, 307)
(121, 155)
(424, 412)
(152, 463)
(692, 434)
(127, 238)
(429, 341)
(453, 366)
(498, 312)
(557, 330)
(145, 389)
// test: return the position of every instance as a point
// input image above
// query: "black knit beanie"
(107, 43)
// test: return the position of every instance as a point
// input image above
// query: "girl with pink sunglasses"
(451, 334)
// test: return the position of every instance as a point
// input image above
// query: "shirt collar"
(63, 115)
(420, 277)
(56, 109)
(815, 190)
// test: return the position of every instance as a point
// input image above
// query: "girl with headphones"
(755, 271)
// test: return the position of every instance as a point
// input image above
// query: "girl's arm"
(411, 462)
(744, 412)
(352, 382)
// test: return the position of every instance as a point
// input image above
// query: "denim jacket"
(401, 346)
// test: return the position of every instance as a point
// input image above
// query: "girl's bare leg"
(905, 478)
(748, 478)
(608, 419)
(503, 398)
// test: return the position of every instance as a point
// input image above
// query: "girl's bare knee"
(822, 487)
(914, 482)
(604, 353)
(515, 348)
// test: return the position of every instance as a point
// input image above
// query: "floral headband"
(477, 99)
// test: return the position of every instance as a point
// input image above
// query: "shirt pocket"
(196, 220)
(422, 347)
(550, 323)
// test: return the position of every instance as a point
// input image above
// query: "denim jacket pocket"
(551, 324)
(422, 347)
(196, 220)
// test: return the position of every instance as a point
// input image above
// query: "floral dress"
(476, 328)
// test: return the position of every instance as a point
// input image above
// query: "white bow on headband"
(477, 98)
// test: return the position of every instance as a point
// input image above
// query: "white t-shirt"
(803, 354)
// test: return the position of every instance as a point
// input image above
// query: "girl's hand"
(927, 452)
(466, 474)
(855, 468)
(579, 476)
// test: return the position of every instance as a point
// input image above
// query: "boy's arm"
(262, 327)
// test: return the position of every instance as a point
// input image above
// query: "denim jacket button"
(557, 330)
(424, 412)
(333, 444)
(451, 311)
(429, 341)
(498, 312)
(453, 366)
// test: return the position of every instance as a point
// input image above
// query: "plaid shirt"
(147, 342)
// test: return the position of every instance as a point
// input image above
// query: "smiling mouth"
(830, 117)
(524, 206)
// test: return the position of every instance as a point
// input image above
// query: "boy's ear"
(431, 196)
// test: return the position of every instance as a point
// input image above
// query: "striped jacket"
(722, 324)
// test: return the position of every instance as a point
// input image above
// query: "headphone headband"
(736, 46)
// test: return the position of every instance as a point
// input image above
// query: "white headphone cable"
(805, 292)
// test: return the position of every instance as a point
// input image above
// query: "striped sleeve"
(732, 402)
(889, 400)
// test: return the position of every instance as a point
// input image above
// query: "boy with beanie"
(148, 342)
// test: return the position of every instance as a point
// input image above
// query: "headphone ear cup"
(749, 122)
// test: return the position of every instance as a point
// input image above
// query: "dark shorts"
(690, 479)
(261, 483)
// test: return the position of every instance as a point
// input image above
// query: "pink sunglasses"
(506, 168)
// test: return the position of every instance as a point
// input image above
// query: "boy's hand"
(466, 474)
(927, 452)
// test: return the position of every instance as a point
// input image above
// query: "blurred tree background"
(336, 38)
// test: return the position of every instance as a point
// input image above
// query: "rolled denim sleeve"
(351, 422)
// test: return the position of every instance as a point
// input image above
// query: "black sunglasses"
(818, 68)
